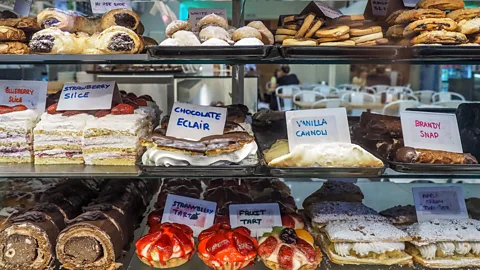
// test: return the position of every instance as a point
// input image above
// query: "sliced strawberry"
(243, 230)
(182, 238)
(164, 247)
(306, 249)
(123, 109)
(5, 109)
(71, 113)
(155, 217)
(267, 247)
(222, 219)
(102, 113)
(217, 243)
(141, 102)
(20, 107)
(146, 240)
(52, 109)
(209, 232)
(243, 244)
(287, 221)
(184, 228)
(285, 257)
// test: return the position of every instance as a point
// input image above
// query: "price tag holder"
(88, 96)
(22, 7)
(434, 131)
(104, 6)
(32, 94)
(329, 12)
(410, 3)
(193, 122)
(379, 7)
(317, 126)
(259, 218)
(439, 203)
(197, 214)
(196, 14)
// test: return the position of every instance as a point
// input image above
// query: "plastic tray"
(347, 52)
(210, 52)
(434, 168)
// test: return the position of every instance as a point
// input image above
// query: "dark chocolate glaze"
(406, 155)
(125, 20)
(121, 43)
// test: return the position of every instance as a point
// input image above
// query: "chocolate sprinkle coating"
(121, 42)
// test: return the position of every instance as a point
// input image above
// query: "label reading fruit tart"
(31, 94)
(259, 218)
(317, 126)
(439, 203)
(197, 214)
(194, 122)
(88, 96)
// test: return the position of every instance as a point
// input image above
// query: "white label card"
(439, 203)
(379, 7)
(434, 131)
(193, 122)
(88, 96)
(22, 7)
(197, 214)
(104, 6)
(32, 94)
(317, 126)
(328, 11)
(259, 218)
(195, 14)
(410, 3)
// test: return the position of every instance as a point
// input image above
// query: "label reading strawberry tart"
(434, 131)
(259, 218)
(439, 203)
(104, 6)
(88, 96)
(31, 94)
(194, 122)
(317, 126)
(197, 214)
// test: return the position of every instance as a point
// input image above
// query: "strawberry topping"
(5, 109)
(71, 113)
(123, 109)
(267, 247)
(52, 109)
(307, 249)
(20, 107)
(285, 257)
(102, 113)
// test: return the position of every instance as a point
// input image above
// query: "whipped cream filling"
(19, 120)
(112, 141)
(58, 122)
(429, 251)
(362, 249)
(158, 157)
(25, 153)
(41, 139)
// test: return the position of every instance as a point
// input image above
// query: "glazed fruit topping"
(5, 109)
(20, 107)
(288, 235)
(285, 257)
(71, 113)
(267, 247)
(217, 243)
(52, 109)
(163, 247)
(307, 249)
(102, 113)
(155, 217)
(242, 243)
(122, 109)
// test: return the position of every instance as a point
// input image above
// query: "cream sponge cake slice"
(58, 137)
(114, 138)
(16, 136)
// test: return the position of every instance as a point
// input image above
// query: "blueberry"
(288, 235)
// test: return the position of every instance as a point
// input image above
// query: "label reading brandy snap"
(439, 203)
(193, 122)
(32, 94)
(196, 14)
(104, 6)
(197, 214)
(259, 218)
(435, 131)
(379, 7)
(317, 126)
(88, 96)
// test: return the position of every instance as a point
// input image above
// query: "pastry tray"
(434, 168)
(347, 52)
(446, 51)
(246, 167)
(210, 52)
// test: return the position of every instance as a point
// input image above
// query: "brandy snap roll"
(121, 17)
(56, 41)
(416, 155)
(68, 21)
(118, 40)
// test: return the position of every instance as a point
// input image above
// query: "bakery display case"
(111, 188)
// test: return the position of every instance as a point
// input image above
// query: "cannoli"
(121, 17)
(417, 155)
(68, 21)
(118, 40)
(56, 41)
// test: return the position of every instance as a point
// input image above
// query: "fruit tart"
(167, 245)
(224, 248)
(289, 249)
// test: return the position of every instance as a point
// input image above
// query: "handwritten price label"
(439, 202)
(88, 96)
(259, 218)
(379, 7)
(436, 131)
(104, 6)
(32, 94)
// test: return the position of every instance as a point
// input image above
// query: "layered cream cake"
(16, 136)
(58, 138)
(114, 139)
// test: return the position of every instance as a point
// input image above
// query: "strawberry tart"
(58, 137)
(113, 136)
(16, 125)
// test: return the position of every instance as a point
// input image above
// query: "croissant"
(56, 41)
(116, 40)
(68, 21)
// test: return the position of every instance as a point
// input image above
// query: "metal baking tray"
(434, 168)
(347, 52)
(246, 167)
(210, 52)
(446, 52)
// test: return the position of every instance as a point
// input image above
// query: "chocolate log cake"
(28, 242)
(96, 239)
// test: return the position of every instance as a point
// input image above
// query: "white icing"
(324, 212)
(25, 153)
(433, 231)
(215, 42)
(171, 42)
(362, 249)
(158, 157)
(19, 120)
(217, 32)
(57, 122)
(249, 42)
(428, 251)
(177, 24)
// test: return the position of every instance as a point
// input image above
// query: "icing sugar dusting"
(364, 231)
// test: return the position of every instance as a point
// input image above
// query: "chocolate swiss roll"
(97, 238)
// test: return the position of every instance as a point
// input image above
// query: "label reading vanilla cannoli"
(259, 218)
(317, 126)
(439, 203)
(104, 6)
(89, 96)
(31, 94)
(197, 214)
(434, 131)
